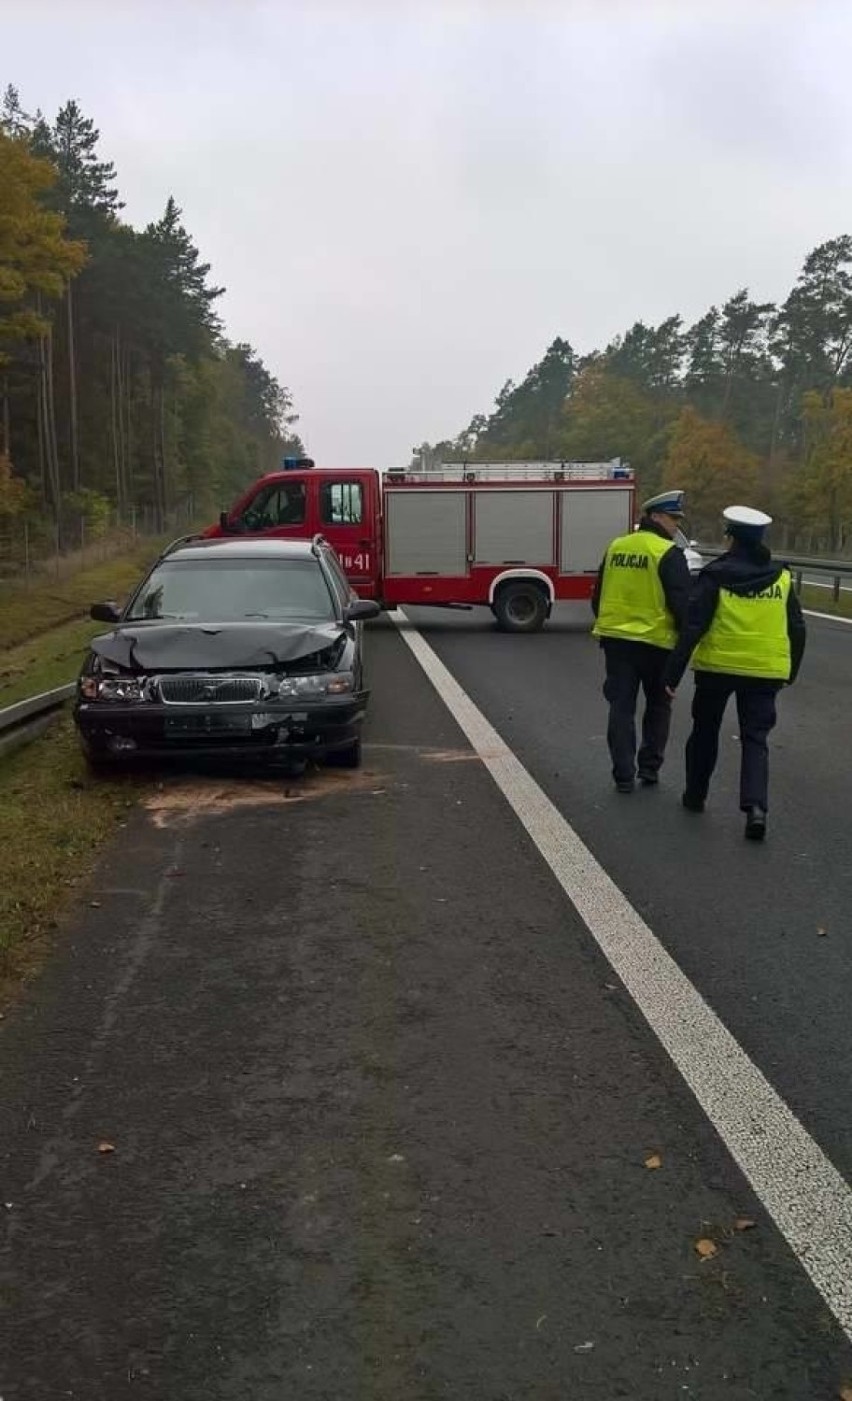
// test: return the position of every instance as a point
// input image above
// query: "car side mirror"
(105, 612)
(361, 610)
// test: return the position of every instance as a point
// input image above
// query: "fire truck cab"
(512, 536)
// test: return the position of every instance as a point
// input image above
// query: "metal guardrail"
(834, 570)
(27, 719)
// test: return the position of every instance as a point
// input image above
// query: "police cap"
(668, 503)
(745, 523)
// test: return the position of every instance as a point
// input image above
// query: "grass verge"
(48, 661)
(26, 614)
(54, 819)
(822, 602)
(44, 630)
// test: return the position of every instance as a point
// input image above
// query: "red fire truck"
(511, 536)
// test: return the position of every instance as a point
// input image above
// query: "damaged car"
(232, 648)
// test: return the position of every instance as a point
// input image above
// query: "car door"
(345, 595)
(343, 520)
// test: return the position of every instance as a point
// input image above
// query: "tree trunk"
(157, 446)
(163, 459)
(47, 426)
(51, 435)
(114, 415)
(6, 447)
(42, 458)
(72, 394)
(834, 523)
(129, 472)
(122, 437)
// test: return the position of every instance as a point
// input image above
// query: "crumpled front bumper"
(148, 729)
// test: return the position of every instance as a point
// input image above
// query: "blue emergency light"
(297, 464)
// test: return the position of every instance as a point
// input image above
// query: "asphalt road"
(742, 921)
(380, 1111)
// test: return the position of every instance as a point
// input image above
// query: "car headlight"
(113, 688)
(331, 683)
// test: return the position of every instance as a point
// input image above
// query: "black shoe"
(755, 828)
(648, 778)
(624, 785)
(692, 803)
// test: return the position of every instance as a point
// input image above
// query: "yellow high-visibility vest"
(632, 604)
(748, 635)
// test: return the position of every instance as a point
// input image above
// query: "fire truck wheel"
(521, 606)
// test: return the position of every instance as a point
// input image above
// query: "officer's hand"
(671, 692)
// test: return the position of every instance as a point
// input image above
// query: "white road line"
(808, 1199)
(829, 617)
(821, 584)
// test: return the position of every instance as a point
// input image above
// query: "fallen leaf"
(821, 932)
(654, 1162)
(706, 1248)
(106, 1147)
(584, 1347)
(845, 1393)
(94, 904)
(744, 1223)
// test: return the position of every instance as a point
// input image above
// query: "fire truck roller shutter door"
(426, 532)
(513, 527)
(590, 519)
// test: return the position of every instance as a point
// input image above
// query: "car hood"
(185, 646)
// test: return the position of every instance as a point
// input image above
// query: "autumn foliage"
(751, 404)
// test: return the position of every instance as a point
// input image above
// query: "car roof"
(246, 549)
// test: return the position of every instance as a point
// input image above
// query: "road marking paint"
(821, 584)
(804, 1193)
(829, 617)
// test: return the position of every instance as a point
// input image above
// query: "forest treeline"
(120, 394)
(752, 403)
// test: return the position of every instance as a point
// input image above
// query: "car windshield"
(233, 590)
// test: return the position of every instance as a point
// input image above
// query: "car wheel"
(348, 758)
(521, 607)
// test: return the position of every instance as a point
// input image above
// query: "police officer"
(746, 635)
(640, 602)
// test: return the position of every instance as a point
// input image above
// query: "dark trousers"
(756, 714)
(630, 665)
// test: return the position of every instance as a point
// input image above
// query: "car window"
(342, 584)
(341, 503)
(282, 504)
(233, 590)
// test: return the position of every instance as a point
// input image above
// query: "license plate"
(208, 724)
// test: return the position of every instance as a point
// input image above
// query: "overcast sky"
(408, 201)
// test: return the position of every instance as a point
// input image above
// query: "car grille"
(210, 690)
